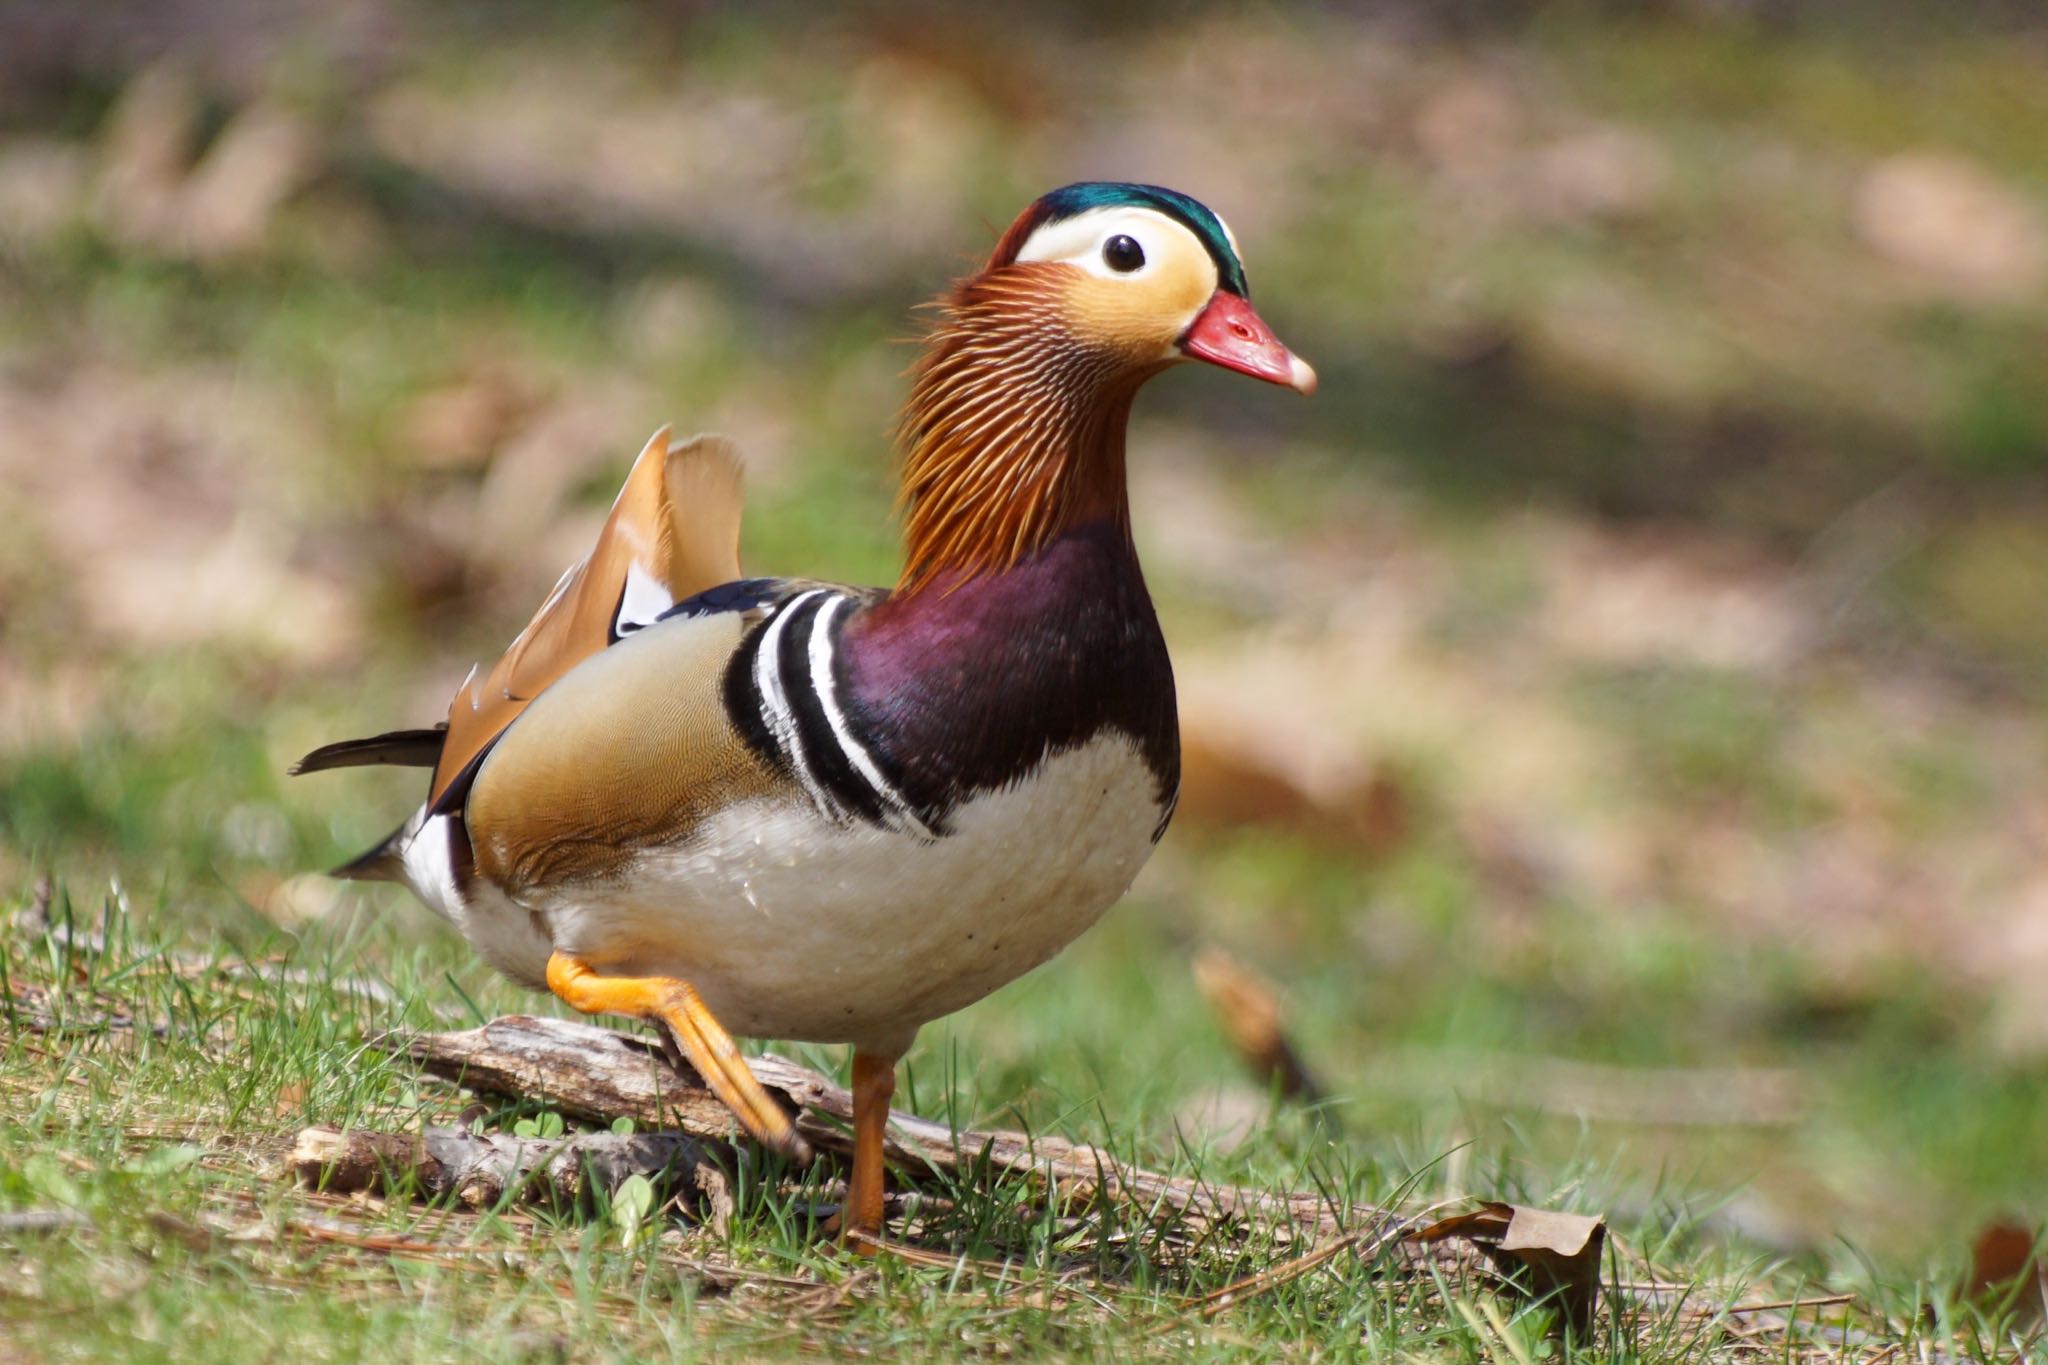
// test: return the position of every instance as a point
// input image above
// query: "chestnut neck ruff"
(1014, 431)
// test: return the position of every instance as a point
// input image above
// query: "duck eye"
(1123, 254)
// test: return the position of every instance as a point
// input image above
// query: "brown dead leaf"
(1247, 1006)
(1222, 786)
(1559, 1251)
(2005, 1256)
(1219, 786)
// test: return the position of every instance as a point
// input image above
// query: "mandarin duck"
(793, 809)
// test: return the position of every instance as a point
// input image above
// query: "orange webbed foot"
(696, 1031)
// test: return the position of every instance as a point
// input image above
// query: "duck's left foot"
(702, 1039)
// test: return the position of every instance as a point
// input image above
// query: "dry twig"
(484, 1169)
(593, 1073)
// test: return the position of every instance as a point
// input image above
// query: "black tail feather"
(397, 748)
(384, 863)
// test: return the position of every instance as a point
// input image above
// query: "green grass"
(160, 1135)
(165, 1140)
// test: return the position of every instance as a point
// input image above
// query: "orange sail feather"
(676, 525)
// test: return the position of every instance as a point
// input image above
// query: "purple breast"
(966, 686)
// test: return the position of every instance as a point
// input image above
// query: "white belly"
(791, 927)
(504, 935)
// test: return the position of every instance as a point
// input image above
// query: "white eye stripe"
(1079, 240)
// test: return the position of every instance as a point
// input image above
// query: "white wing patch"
(642, 603)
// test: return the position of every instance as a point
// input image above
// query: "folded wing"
(673, 533)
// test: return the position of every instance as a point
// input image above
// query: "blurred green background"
(1615, 702)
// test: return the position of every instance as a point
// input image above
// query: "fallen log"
(597, 1074)
(485, 1169)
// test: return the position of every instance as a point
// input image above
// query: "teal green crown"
(1070, 201)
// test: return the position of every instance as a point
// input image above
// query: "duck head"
(1148, 273)
(1014, 431)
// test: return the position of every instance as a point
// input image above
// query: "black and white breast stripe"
(782, 690)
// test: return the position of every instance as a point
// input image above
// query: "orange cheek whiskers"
(1013, 429)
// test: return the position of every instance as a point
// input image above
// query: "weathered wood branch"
(483, 1169)
(597, 1074)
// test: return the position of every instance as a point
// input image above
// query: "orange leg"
(703, 1040)
(874, 1085)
